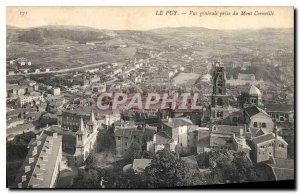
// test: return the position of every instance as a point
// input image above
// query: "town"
(241, 131)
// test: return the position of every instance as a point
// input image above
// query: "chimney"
(241, 131)
(45, 158)
(34, 152)
(31, 160)
(50, 141)
(48, 150)
(37, 136)
(41, 166)
(38, 143)
(23, 178)
(27, 168)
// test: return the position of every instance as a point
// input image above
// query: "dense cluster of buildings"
(68, 125)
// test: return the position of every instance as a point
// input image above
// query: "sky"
(145, 18)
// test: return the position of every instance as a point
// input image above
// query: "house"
(268, 145)
(280, 169)
(223, 137)
(256, 119)
(71, 119)
(183, 132)
(55, 91)
(127, 133)
(280, 112)
(32, 98)
(246, 77)
(42, 164)
(161, 141)
(112, 118)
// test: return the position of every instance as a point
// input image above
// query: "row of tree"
(168, 170)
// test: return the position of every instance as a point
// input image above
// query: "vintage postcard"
(150, 97)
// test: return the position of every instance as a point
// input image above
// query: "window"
(255, 124)
(263, 125)
(220, 91)
(220, 102)
(286, 115)
(119, 138)
(248, 129)
(79, 138)
(220, 114)
(220, 83)
(234, 120)
(214, 128)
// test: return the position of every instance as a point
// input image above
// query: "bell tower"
(219, 98)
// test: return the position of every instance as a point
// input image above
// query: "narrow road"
(64, 70)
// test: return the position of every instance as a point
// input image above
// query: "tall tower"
(92, 126)
(80, 134)
(219, 98)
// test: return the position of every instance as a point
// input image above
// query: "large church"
(86, 139)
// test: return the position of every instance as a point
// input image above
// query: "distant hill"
(46, 34)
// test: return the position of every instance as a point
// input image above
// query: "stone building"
(251, 97)
(268, 145)
(219, 98)
(42, 163)
(86, 139)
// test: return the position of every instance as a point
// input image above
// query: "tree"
(134, 152)
(167, 170)
(230, 167)
(241, 169)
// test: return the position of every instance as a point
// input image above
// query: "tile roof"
(228, 129)
(263, 138)
(279, 107)
(163, 138)
(178, 122)
(220, 140)
(40, 164)
(253, 110)
(267, 137)
(283, 169)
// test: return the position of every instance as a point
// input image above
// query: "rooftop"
(279, 107)
(40, 162)
(253, 110)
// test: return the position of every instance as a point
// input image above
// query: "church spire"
(81, 127)
(92, 115)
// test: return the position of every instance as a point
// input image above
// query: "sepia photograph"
(150, 97)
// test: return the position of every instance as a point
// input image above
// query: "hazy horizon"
(44, 26)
